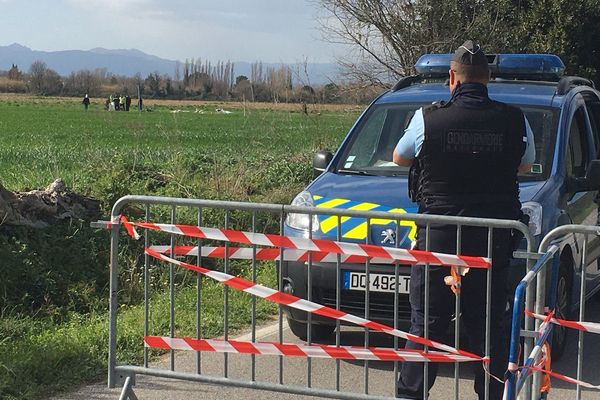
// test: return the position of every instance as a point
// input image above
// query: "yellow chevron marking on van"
(364, 207)
(330, 223)
(360, 231)
(333, 203)
(411, 224)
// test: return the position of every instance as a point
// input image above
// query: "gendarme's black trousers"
(473, 300)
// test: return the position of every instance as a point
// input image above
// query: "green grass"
(53, 292)
(147, 151)
(38, 357)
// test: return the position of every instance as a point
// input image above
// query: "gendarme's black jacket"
(472, 149)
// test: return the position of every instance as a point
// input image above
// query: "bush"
(53, 271)
(12, 86)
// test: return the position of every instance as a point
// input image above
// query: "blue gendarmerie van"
(561, 188)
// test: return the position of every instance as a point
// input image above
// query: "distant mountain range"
(129, 62)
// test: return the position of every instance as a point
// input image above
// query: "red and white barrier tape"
(327, 246)
(302, 350)
(539, 344)
(564, 378)
(269, 254)
(592, 327)
(308, 306)
(537, 367)
(126, 224)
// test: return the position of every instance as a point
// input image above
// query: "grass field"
(43, 139)
(53, 291)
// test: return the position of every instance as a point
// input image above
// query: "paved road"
(324, 373)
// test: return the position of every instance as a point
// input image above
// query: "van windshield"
(370, 148)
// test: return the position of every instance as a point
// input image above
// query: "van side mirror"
(589, 183)
(321, 160)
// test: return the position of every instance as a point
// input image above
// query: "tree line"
(193, 79)
(386, 37)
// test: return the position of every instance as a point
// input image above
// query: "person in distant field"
(122, 103)
(86, 102)
(140, 104)
(116, 102)
(127, 102)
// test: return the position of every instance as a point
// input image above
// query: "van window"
(577, 152)
(373, 143)
(593, 109)
(367, 141)
(543, 122)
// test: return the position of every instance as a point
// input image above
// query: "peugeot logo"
(389, 236)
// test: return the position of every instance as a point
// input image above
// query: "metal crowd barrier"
(230, 214)
(550, 250)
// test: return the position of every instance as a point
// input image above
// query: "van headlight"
(534, 211)
(302, 221)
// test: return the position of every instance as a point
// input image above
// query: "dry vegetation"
(234, 105)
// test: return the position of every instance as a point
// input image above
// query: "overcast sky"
(236, 30)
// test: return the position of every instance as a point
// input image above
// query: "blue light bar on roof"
(544, 66)
(507, 66)
(433, 65)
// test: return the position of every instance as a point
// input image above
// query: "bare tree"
(279, 82)
(14, 74)
(37, 75)
(177, 74)
(386, 37)
(256, 72)
(43, 80)
(84, 81)
(242, 89)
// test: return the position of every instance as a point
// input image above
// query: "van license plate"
(378, 282)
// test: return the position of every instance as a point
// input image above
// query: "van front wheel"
(563, 305)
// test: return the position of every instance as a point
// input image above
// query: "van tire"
(562, 309)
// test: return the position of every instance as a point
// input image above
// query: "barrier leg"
(113, 305)
(510, 386)
(127, 392)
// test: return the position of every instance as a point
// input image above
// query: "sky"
(237, 30)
